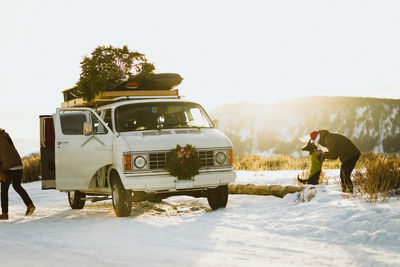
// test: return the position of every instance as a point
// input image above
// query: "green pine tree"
(109, 66)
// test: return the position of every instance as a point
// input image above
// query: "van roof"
(136, 101)
(109, 97)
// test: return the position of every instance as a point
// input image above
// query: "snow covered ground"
(330, 230)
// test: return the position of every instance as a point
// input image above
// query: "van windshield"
(157, 116)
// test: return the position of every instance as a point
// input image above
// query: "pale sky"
(226, 51)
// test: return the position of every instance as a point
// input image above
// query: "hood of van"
(168, 139)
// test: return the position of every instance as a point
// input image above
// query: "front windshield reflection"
(153, 116)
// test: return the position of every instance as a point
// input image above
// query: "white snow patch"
(378, 149)
(245, 134)
(395, 111)
(331, 229)
(360, 111)
(358, 127)
(333, 117)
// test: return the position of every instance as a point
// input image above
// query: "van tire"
(218, 197)
(75, 199)
(121, 198)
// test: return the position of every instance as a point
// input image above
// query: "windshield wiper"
(192, 126)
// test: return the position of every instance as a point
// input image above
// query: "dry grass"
(286, 162)
(279, 162)
(31, 168)
(379, 179)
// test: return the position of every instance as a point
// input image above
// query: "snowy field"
(330, 230)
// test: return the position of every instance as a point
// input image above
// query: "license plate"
(184, 184)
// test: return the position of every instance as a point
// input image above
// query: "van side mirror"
(216, 123)
(87, 129)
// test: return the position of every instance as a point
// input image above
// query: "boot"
(30, 209)
(4, 216)
(350, 188)
(344, 188)
(347, 188)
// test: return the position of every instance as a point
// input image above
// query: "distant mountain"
(373, 124)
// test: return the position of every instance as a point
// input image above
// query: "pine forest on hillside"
(373, 124)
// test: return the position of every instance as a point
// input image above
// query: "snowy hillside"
(330, 230)
(373, 124)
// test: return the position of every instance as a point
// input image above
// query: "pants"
(13, 177)
(345, 174)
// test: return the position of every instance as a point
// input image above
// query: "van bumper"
(163, 182)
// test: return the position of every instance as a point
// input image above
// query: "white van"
(119, 149)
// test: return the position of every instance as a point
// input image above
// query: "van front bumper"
(162, 182)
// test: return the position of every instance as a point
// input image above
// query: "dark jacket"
(338, 146)
(9, 157)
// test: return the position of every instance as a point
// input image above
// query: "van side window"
(72, 122)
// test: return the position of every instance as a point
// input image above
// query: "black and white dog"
(316, 164)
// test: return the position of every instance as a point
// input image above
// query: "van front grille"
(157, 160)
(206, 159)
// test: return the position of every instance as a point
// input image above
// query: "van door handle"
(62, 142)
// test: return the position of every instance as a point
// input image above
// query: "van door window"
(72, 122)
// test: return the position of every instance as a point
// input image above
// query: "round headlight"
(220, 158)
(139, 162)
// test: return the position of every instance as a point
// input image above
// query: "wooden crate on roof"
(108, 97)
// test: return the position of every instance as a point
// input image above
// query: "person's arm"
(331, 146)
(329, 155)
(319, 154)
(2, 150)
(3, 176)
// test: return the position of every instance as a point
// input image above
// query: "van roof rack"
(108, 97)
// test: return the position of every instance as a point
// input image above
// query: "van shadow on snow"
(173, 206)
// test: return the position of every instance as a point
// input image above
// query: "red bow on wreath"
(183, 162)
(183, 154)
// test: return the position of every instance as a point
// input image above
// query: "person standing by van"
(11, 172)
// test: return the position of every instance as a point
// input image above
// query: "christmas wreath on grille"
(183, 162)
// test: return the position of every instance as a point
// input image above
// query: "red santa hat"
(314, 136)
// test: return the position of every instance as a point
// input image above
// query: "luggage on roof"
(160, 81)
(156, 85)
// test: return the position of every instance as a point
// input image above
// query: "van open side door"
(83, 144)
(47, 159)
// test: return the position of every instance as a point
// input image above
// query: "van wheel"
(121, 198)
(218, 197)
(75, 199)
